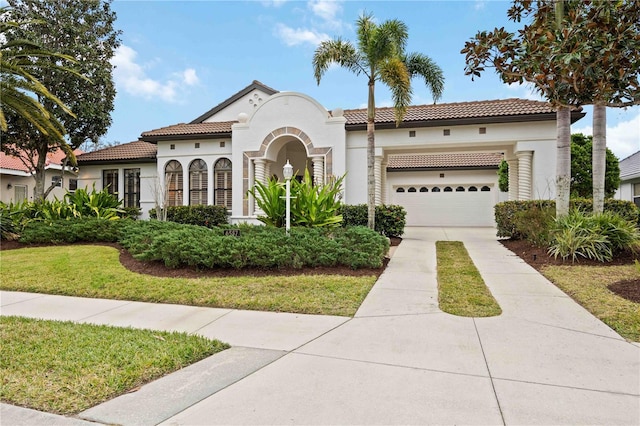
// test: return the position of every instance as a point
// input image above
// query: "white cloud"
(132, 78)
(524, 91)
(623, 139)
(274, 3)
(190, 77)
(479, 5)
(325, 9)
(295, 36)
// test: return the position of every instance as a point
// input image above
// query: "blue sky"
(178, 59)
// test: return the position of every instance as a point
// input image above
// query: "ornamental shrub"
(201, 215)
(73, 230)
(390, 219)
(506, 212)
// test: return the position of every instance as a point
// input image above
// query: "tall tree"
(83, 30)
(582, 168)
(19, 88)
(380, 55)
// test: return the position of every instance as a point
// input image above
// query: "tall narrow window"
(132, 187)
(173, 183)
(636, 194)
(198, 183)
(222, 183)
(110, 181)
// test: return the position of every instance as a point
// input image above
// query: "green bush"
(71, 231)
(505, 212)
(597, 237)
(255, 247)
(209, 216)
(390, 219)
(534, 224)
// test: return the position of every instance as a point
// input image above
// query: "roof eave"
(575, 116)
(425, 169)
(192, 136)
(117, 161)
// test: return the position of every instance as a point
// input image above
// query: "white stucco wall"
(286, 110)
(23, 179)
(92, 174)
(247, 104)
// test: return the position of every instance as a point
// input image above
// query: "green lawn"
(95, 271)
(65, 368)
(588, 286)
(461, 289)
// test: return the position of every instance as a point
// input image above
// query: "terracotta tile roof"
(136, 150)
(454, 111)
(444, 161)
(183, 129)
(11, 162)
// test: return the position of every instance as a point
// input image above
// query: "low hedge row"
(209, 216)
(255, 246)
(390, 219)
(507, 213)
(179, 245)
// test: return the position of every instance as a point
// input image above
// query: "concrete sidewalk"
(400, 360)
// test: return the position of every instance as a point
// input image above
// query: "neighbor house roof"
(222, 105)
(136, 151)
(443, 161)
(10, 162)
(630, 167)
(476, 112)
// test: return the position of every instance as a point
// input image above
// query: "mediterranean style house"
(440, 163)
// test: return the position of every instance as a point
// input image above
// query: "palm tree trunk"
(371, 153)
(563, 165)
(599, 155)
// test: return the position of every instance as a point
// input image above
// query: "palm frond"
(421, 65)
(338, 52)
(394, 74)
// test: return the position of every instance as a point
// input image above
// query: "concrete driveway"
(401, 360)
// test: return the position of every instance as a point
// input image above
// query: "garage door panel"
(447, 208)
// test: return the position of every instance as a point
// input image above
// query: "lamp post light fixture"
(287, 172)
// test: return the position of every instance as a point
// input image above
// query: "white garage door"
(458, 205)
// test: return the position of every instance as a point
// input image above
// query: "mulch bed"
(158, 269)
(538, 258)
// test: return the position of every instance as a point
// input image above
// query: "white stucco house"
(17, 182)
(630, 179)
(440, 163)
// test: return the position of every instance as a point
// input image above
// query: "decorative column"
(384, 182)
(258, 176)
(513, 179)
(318, 170)
(524, 174)
(267, 170)
(377, 170)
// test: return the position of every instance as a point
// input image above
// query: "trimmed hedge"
(390, 219)
(507, 212)
(255, 247)
(201, 215)
(72, 231)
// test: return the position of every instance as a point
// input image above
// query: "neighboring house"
(630, 179)
(17, 182)
(440, 163)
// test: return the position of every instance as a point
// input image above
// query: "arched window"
(435, 189)
(460, 189)
(485, 189)
(198, 183)
(222, 183)
(412, 189)
(448, 189)
(401, 189)
(473, 189)
(424, 189)
(173, 183)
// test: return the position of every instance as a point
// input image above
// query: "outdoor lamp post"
(287, 172)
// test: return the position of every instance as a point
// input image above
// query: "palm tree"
(379, 55)
(18, 85)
